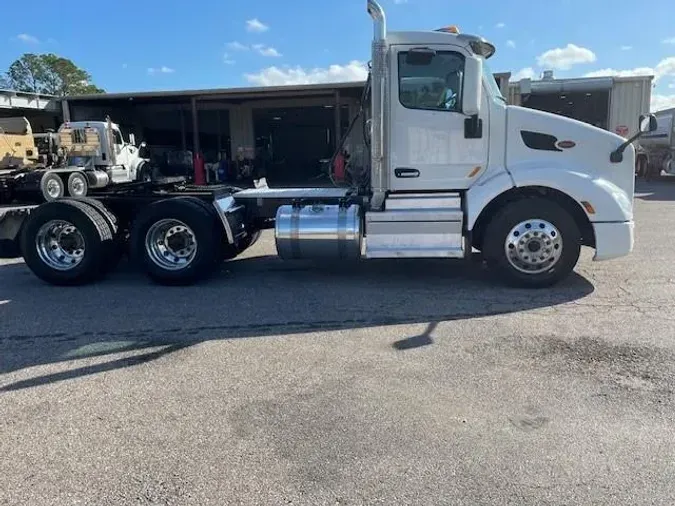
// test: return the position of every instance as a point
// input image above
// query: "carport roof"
(258, 91)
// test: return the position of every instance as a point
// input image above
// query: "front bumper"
(613, 240)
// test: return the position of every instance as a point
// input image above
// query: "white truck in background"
(451, 170)
(659, 145)
(81, 158)
(609, 102)
(96, 157)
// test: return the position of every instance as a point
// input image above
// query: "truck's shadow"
(661, 189)
(252, 297)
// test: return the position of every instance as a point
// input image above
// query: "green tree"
(49, 74)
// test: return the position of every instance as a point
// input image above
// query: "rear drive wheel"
(532, 243)
(78, 186)
(176, 241)
(66, 243)
(52, 186)
(116, 250)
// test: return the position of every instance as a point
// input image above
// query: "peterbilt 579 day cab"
(452, 168)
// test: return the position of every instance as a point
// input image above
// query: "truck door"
(120, 171)
(429, 147)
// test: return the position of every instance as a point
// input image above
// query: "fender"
(610, 202)
(484, 191)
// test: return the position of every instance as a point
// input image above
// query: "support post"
(65, 110)
(338, 119)
(198, 159)
(183, 140)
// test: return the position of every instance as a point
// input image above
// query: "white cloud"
(266, 50)
(664, 68)
(27, 38)
(255, 25)
(160, 70)
(660, 102)
(626, 48)
(640, 71)
(526, 73)
(275, 76)
(669, 40)
(565, 58)
(227, 60)
(671, 86)
(510, 43)
(237, 46)
(500, 25)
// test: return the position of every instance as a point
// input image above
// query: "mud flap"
(11, 221)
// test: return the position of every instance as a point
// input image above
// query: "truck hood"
(541, 139)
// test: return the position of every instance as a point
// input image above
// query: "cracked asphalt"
(391, 383)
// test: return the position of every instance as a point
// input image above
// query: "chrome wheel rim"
(60, 245)
(533, 246)
(53, 188)
(77, 186)
(171, 244)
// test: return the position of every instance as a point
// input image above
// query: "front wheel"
(532, 243)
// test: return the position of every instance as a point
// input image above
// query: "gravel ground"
(393, 383)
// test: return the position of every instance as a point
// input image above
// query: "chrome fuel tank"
(319, 232)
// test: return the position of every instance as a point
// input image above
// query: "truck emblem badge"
(566, 144)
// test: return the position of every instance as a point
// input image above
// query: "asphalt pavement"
(394, 382)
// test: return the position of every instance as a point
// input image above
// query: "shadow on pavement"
(662, 189)
(252, 297)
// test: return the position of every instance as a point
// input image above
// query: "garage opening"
(590, 107)
(296, 143)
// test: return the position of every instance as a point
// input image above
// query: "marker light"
(449, 29)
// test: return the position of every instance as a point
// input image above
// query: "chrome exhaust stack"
(379, 175)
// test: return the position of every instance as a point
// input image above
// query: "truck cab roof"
(474, 43)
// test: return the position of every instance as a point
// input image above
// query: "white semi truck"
(453, 168)
(93, 155)
(96, 156)
(659, 145)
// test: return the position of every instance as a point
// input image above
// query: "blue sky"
(148, 45)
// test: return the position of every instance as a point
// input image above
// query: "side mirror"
(420, 56)
(132, 139)
(648, 123)
(473, 86)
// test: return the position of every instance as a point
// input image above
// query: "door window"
(436, 86)
(117, 141)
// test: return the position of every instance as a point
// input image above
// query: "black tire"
(203, 223)
(147, 173)
(53, 178)
(100, 207)
(73, 179)
(117, 248)
(210, 209)
(521, 211)
(95, 231)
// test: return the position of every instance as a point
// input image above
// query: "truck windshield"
(492, 82)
